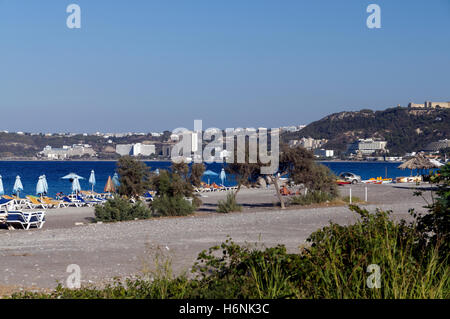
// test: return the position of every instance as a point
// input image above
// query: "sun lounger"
(53, 203)
(7, 203)
(36, 203)
(71, 202)
(148, 197)
(3, 216)
(89, 203)
(26, 220)
(18, 202)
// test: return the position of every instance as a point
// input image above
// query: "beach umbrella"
(223, 176)
(92, 180)
(210, 174)
(44, 181)
(157, 171)
(417, 162)
(18, 187)
(109, 187)
(40, 186)
(72, 176)
(115, 180)
(76, 185)
(2, 190)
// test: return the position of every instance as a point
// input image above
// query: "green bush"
(165, 205)
(314, 197)
(229, 205)
(119, 209)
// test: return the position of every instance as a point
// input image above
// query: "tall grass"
(229, 205)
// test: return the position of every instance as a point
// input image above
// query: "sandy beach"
(39, 258)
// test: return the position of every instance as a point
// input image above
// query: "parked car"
(350, 177)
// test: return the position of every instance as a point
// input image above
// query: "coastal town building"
(308, 143)
(323, 153)
(437, 146)
(135, 149)
(367, 147)
(65, 152)
(429, 104)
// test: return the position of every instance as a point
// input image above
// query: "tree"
(182, 169)
(172, 189)
(197, 171)
(296, 163)
(134, 177)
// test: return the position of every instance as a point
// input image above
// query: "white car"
(350, 177)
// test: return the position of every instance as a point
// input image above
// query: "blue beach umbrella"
(2, 190)
(18, 187)
(223, 176)
(115, 180)
(76, 185)
(92, 180)
(210, 174)
(40, 186)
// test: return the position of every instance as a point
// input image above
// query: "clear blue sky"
(145, 65)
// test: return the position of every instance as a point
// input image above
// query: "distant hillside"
(405, 129)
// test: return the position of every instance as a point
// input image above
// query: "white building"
(367, 146)
(67, 151)
(323, 153)
(135, 149)
(308, 143)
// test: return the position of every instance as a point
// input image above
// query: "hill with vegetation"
(405, 129)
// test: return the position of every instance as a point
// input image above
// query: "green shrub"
(314, 197)
(119, 209)
(172, 206)
(229, 205)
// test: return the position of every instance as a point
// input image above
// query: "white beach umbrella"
(223, 176)
(18, 187)
(76, 185)
(40, 186)
(44, 180)
(92, 180)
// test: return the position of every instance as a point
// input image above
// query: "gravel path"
(39, 258)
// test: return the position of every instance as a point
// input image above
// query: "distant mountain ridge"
(405, 129)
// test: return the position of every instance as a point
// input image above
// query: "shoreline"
(169, 161)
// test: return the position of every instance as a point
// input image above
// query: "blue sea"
(30, 171)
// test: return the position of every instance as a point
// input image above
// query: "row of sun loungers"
(32, 202)
(213, 188)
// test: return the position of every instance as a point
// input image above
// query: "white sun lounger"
(26, 220)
